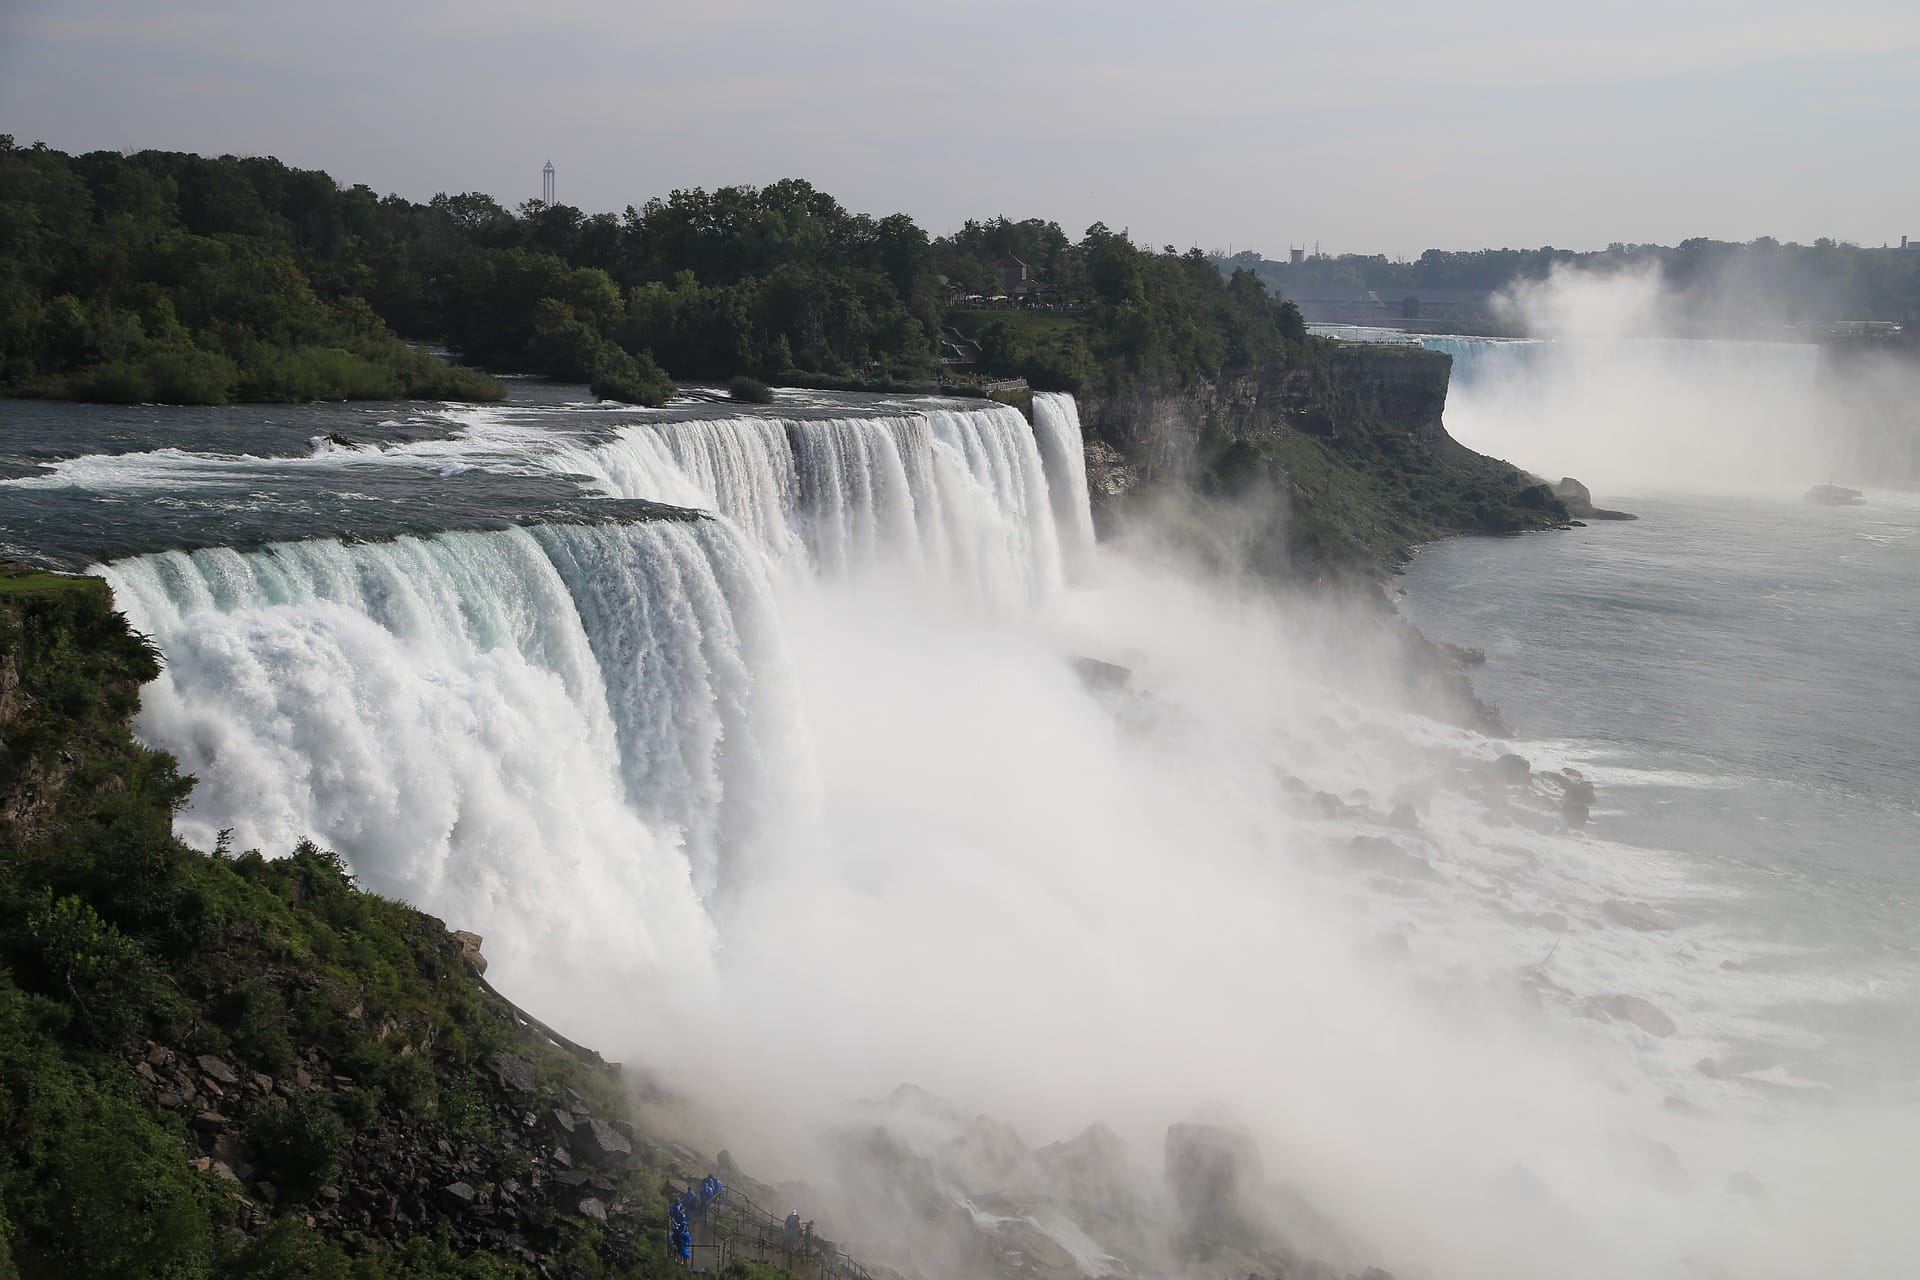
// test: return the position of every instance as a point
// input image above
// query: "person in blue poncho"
(680, 1231)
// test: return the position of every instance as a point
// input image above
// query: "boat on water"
(1835, 495)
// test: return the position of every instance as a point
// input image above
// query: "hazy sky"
(1388, 127)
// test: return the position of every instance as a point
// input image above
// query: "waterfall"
(1627, 413)
(957, 493)
(560, 734)
(1056, 423)
(574, 735)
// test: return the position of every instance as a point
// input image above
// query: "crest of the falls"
(959, 493)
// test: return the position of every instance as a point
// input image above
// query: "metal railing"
(739, 1227)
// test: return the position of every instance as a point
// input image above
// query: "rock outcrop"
(1352, 442)
(1579, 502)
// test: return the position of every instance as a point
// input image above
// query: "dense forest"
(1718, 285)
(164, 276)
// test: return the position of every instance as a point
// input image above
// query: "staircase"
(741, 1229)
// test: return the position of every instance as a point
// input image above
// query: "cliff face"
(1346, 457)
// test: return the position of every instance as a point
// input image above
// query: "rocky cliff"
(1338, 465)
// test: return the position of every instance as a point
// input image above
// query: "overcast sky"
(1365, 126)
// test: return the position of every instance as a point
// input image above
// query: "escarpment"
(1334, 467)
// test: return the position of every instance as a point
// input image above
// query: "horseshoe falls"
(765, 751)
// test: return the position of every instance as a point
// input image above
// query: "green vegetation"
(750, 390)
(633, 379)
(115, 939)
(161, 276)
(1137, 317)
(171, 278)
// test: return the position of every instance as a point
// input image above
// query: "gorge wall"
(1351, 444)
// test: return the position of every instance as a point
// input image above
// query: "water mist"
(1609, 392)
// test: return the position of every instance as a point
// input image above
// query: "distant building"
(1904, 245)
(1013, 277)
(546, 185)
(1296, 256)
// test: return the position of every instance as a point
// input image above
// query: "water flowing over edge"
(484, 723)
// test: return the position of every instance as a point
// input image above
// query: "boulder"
(1578, 500)
(1512, 769)
(212, 1066)
(598, 1142)
(1637, 915)
(1100, 676)
(514, 1072)
(470, 950)
(1325, 804)
(1576, 786)
(1383, 856)
(1643, 1014)
(229, 1150)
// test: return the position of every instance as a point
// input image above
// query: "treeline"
(176, 277)
(166, 277)
(1760, 281)
(1131, 316)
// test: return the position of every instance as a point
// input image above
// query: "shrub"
(257, 1014)
(299, 1145)
(80, 956)
(191, 376)
(750, 390)
(630, 379)
(118, 382)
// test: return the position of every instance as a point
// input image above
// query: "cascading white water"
(957, 493)
(562, 732)
(521, 727)
(740, 467)
(1056, 423)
